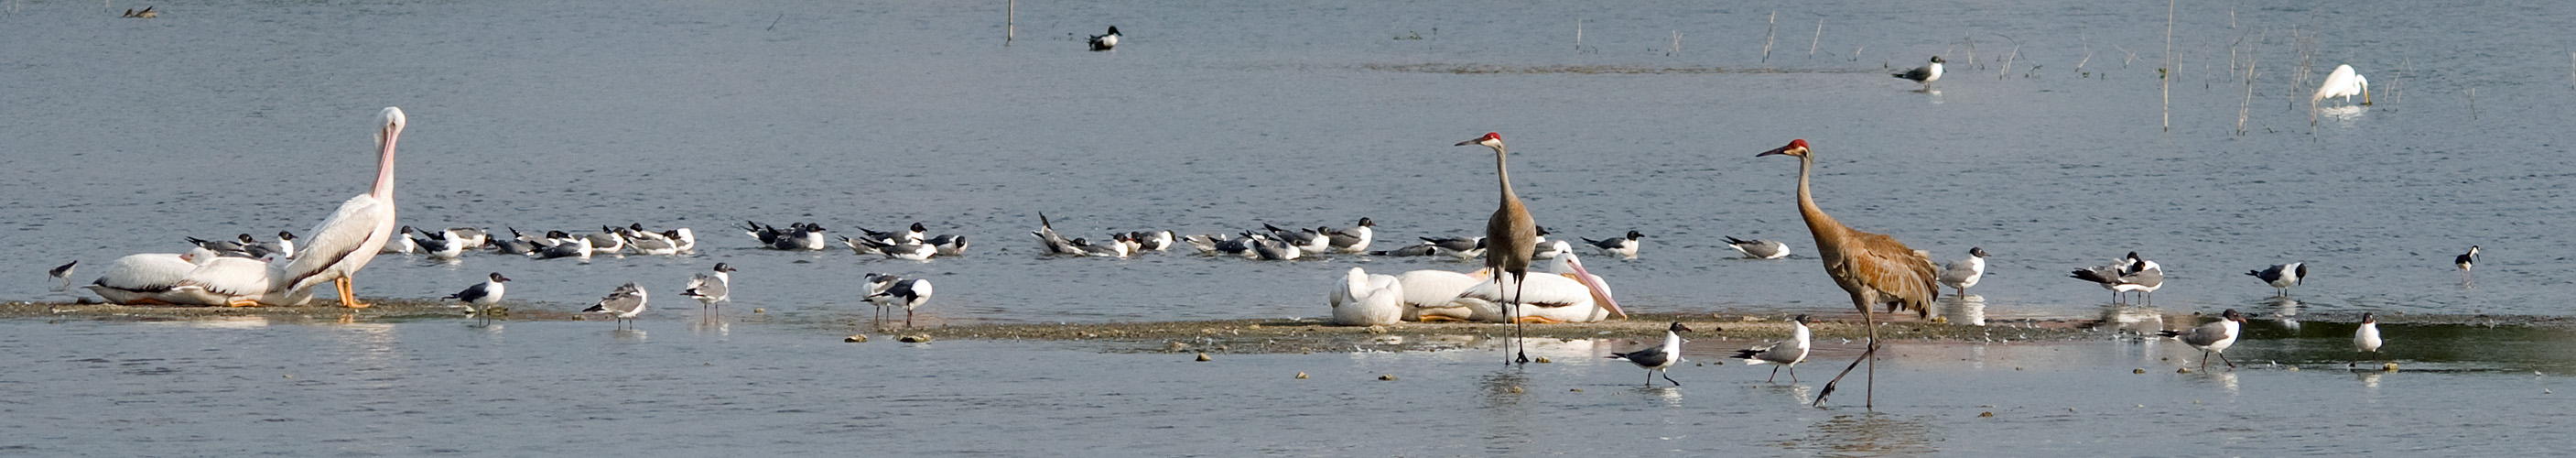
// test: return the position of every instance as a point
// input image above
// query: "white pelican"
(624, 303)
(1657, 359)
(2343, 83)
(710, 288)
(2214, 337)
(1573, 295)
(1786, 353)
(1428, 295)
(344, 242)
(2282, 276)
(1759, 249)
(1360, 299)
(1104, 42)
(1625, 247)
(145, 278)
(1964, 273)
(1354, 239)
(1925, 74)
(908, 293)
(231, 281)
(480, 297)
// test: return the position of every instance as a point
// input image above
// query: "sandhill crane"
(1510, 236)
(1874, 268)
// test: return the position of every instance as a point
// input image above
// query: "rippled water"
(122, 136)
(229, 118)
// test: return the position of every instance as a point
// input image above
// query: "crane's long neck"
(1823, 226)
(1504, 173)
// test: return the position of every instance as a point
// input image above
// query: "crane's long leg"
(1870, 355)
(1518, 327)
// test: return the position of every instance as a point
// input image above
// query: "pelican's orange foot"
(1440, 319)
(1538, 320)
(243, 303)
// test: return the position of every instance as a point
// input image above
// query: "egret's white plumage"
(2343, 83)
(351, 236)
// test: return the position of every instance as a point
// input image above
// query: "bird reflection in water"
(1968, 309)
(2130, 319)
(2369, 378)
(2287, 310)
(710, 324)
(630, 334)
(1870, 434)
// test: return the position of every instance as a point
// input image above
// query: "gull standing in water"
(344, 243)
(1961, 274)
(481, 297)
(62, 275)
(1925, 74)
(711, 288)
(2365, 339)
(2212, 338)
(2282, 276)
(1785, 353)
(1656, 359)
(624, 303)
(909, 293)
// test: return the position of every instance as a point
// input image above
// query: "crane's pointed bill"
(1784, 149)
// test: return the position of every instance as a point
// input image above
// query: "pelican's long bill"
(1600, 293)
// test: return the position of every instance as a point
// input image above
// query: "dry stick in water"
(1010, 22)
(1766, 35)
(2167, 72)
(2473, 103)
(1820, 38)
(2246, 109)
(1578, 33)
(2088, 55)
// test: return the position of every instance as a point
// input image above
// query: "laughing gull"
(439, 246)
(1457, 247)
(2282, 276)
(223, 247)
(891, 237)
(480, 297)
(62, 275)
(710, 288)
(1419, 249)
(1306, 240)
(1354, 239)
(2365, 339)
(1925, 74)
(906, 293)
(1625, 247)
(1961, 274)
(624, 303)
(284, 247)
(519, 244)
(1759, 249)
(2466, 260)
(1658, 359)
(1786, 353)
(565, 246)
(1151, 240)
(1275, 250)
(2125, 275)
(474, 238)
(2212, 338)
(1052, 243)
(402, 243)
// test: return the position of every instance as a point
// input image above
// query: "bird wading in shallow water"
(1873, 268)
(1658, 358)
(1926, 74)
(2212, 338)
(1511, 237)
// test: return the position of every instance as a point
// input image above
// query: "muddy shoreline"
(1281, 335)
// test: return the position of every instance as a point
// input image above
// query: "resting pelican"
(145, 278)
(344, 242)
(2342, 83)
(231, 281)
(1573, 295)
(1361, 299)
(1428, 295)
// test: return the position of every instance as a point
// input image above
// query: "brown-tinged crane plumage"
(1511, 236)
(1874, 268)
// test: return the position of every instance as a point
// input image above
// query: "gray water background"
(122, 136)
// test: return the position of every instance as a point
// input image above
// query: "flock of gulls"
(1874, 269)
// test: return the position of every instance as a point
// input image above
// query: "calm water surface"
(123, 136)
